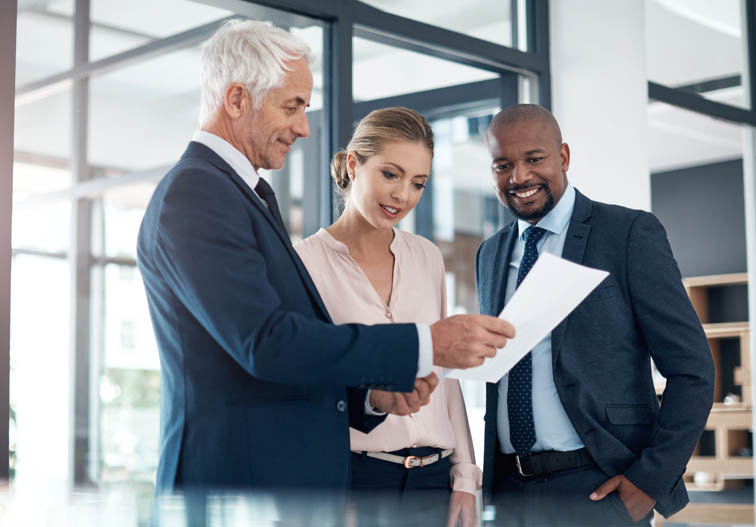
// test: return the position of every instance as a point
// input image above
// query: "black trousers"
(559, 499)
(387, 494)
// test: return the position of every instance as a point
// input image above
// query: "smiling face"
(389, 184)
(266, 133)
(529, 167)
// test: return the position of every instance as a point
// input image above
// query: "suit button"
(341, 406)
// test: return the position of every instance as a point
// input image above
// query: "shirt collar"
(230, 155)
(558, 218)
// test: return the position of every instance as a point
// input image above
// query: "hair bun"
(339, 170)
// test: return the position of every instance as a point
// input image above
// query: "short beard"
(533, 215)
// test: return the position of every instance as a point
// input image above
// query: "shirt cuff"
(466, 477)
(424, 350)
(369, 408)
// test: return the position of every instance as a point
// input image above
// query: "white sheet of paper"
(550, 291)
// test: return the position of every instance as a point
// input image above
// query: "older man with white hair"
(259, 388)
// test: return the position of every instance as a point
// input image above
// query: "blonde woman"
(369, 272)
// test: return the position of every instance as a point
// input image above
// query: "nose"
(400, 192)
(520, 174)
(301, 126)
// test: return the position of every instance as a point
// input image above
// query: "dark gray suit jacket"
(601, 352)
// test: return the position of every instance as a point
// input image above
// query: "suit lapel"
(500, 270)
(574, 251)
(200, 150)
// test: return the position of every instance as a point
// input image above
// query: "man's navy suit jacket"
(601, 351)
(254, 374)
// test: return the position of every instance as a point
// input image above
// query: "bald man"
(575, 434)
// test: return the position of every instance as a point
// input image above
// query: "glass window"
(119, 215)
(713, 66)
(384, 71)
(114, 29)
(42, 127)
(44, 39)
(140, 118)
(129, 382)
(41, 214)
(680, 138)
(40, 387)
(485, 19)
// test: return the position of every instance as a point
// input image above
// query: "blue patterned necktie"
(519, 391)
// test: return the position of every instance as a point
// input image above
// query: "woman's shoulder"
(419, 244)
(314, 247)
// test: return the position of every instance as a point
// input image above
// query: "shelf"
(731, 466)
(710, 514)
(725, 330)
(716, 280)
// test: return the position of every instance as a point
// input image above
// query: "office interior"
(98, 99)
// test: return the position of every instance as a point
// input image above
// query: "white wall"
(599, 96)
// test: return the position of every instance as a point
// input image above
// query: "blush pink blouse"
(418, 295)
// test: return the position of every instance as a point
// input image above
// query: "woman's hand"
(462, 508)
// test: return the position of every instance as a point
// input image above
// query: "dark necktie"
(265, 191)
(519, 391)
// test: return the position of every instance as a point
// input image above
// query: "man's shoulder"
(610, 214)
(493, 241)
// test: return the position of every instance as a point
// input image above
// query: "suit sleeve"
(676, 341)
(205, 248)
(358, 418)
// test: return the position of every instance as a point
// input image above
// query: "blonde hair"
(375, 130)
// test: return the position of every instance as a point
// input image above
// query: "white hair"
(251, 53)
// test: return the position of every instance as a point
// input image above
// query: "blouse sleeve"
(465, 475)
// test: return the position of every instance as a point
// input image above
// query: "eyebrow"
(400, 169)
(298, 100)
(528, 153)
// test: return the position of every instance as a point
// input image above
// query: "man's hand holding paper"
(550, 291)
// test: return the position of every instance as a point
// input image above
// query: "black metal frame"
(689, 98)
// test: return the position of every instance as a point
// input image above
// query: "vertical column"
(8, 15)
(537, 39)
(600, 97)
(748, 18)
(338, 96)
(80, 255)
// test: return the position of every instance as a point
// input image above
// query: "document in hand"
(550, 291)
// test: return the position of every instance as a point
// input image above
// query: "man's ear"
(236, 100)
(564, 154)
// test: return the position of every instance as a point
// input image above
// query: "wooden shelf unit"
(730, 427)
(730, 423)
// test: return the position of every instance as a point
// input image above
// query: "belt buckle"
(409, 459)
(519, 467)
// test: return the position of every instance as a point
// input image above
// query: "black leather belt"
(543, 463)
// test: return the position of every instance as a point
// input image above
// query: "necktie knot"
(263, 189)
(534, 234)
